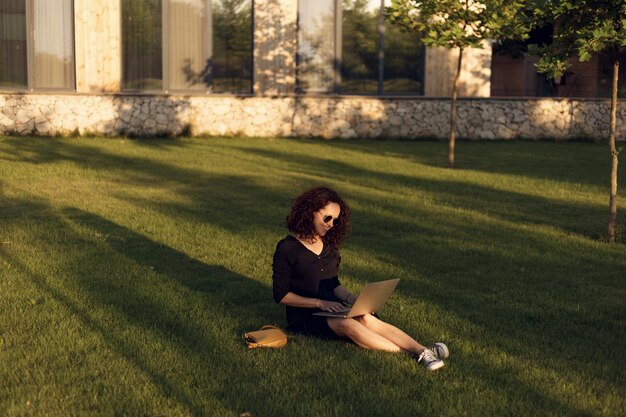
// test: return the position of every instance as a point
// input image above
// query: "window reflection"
(13, 70)
(142, 45)
(404, 62)
(360, 56)
(316, 45)
(53, 44)
(208, 45)
(189, 33)
(373, 56)
(232, 46)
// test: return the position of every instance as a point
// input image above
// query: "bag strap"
(269, 326)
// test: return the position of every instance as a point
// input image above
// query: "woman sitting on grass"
(305, 269)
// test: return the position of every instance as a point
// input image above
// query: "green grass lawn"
(129, 270)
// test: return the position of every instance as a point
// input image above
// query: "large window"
(142, 51)
(53, 44)
(13, 61)
(36, 44)
(317, 47)
(513, 72)
(403, 61)
(187, 45)
(361, 49)
(347, 47)
(232, 46)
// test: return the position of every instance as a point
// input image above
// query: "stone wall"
(328, 117)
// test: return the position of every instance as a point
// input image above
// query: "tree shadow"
(232, 202)
(275, 48)
(185, 317)
(499, 204)
(559, 161)
(201, 317)
(507, 302)
(217, 374)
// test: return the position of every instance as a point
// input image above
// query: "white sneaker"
(440, 350)
(428, 359)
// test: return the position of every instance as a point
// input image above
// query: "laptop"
(371, 299)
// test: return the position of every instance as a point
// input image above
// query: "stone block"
(220, 128)
(486, 134)
(348, 134)
(519, 117)
(161, 119)
(559, 123)
(42, 127)
(505, 133)
(395, 120)
(22, 116)
(221, 110)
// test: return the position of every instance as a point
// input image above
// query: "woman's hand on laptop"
(330, 306)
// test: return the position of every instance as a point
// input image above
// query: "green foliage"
(142, 27)
(142, 43)
(582, 28)
(232, 45)
(359, 59)
(404, 59)
(232, 27)
(360, 52)
(460, 24)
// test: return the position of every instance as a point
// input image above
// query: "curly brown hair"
(300, 218)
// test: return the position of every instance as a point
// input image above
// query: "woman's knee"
(367, 320)
(345, 327)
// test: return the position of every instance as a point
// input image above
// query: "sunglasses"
(327, 218)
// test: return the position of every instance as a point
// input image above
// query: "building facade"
(324, 68)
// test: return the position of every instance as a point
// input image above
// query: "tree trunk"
(453, 110)
(612, 226)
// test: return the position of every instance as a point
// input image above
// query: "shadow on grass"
(520, 305)
(228, 303)
(500, 204)
(120, 344)
(211, 197)
(523, 315)
(177, 306)
(575, 163)
(91, 289)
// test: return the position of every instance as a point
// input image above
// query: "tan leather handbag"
(268, 336)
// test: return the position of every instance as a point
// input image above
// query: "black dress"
(298, 270)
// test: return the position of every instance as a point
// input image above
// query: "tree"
(359, 58)
(582, 28)
(232, 43)
(459, 24)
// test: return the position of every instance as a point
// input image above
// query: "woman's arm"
(295, 300)
(344, 295)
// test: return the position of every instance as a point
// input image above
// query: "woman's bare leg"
(361, 335)
(391, 333)
(372, 333)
